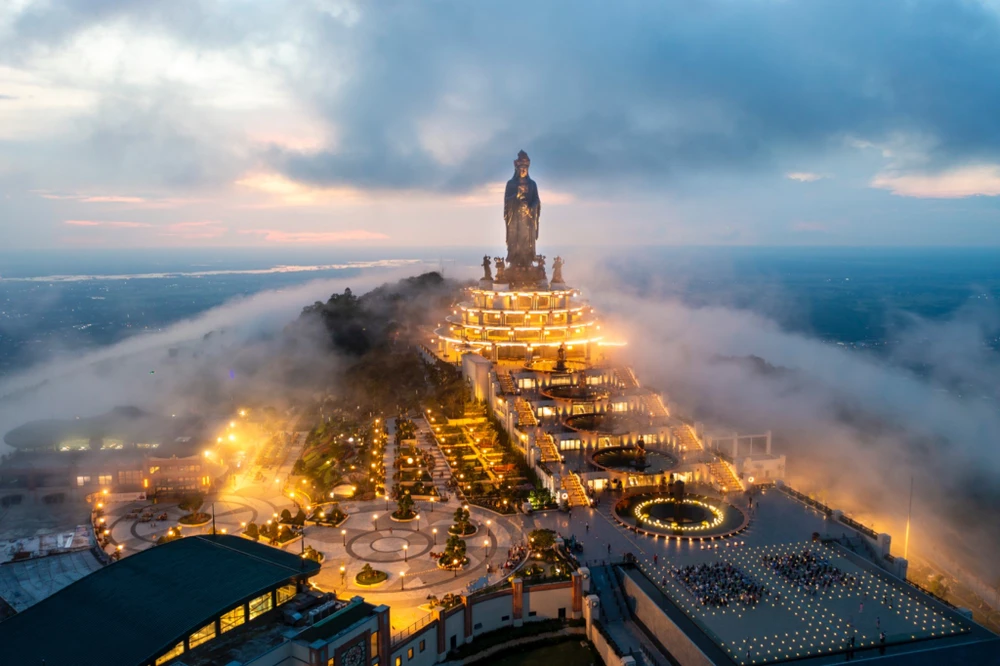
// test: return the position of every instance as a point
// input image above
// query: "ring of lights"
(721, 520)
(641, 512)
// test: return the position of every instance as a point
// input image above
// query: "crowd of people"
(720, 584)
(515, 554)
(808, 571)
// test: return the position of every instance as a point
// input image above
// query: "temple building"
(536, 353)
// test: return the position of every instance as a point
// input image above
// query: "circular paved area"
(388, 547)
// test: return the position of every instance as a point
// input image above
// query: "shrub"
(191, 503)
(542, 539)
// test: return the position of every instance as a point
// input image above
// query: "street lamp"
(418, 522)
(375, 522)
(402, 580)
(343, 573)
(488, 523)
(405, 548)
(343, 533)
(454, 564)
(486, 547)
(435, 531)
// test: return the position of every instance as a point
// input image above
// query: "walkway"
(427, 442)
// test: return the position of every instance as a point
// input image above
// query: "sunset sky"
(325, 122)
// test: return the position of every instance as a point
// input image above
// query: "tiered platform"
(530, 325)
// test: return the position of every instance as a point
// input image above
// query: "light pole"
(418, 522)
(375, 523)
(454, 564)
(435, 531)
(488, 523)
(405, 548)
(343, 575)
(486, 547)
(402, 580)
(343, 533)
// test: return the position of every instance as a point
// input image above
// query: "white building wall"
(426, 657)
(546, 603)
(490, 613)
(454, 626)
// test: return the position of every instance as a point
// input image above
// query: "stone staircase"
(574, 487)
(626, 377)
(550, 452)
(724, 475)
(654, 405)
(687, 439)
(525, 415)
(506, 382)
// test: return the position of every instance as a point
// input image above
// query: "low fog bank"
(244, 352)
(854, 427)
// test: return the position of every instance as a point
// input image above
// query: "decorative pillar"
(438, 614)
(591, 612)
(577, 594)
(518, 591)
(467, 613)
(384, 635)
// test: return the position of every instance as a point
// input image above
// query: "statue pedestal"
(530, 277)
(558, 286)
(500, 286)
(486, 285)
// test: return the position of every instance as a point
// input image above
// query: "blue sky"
(320, 122)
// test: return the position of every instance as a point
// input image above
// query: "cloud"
(638, 95)
(491, 194)
(205, 349)
(103, 223)
(968, 181)
(854, 426)
(282, 236)
(804, 176)
(286, 192)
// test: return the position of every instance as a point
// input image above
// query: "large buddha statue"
(521, 209)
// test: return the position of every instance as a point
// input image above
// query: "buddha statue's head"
(521, 164)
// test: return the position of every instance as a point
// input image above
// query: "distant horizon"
(759, 123)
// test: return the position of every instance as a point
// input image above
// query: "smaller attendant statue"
(487, 275)
(557, 265)
(561, 358)
(500, 269)
(540, 266)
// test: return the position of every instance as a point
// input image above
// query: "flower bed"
(368, 576)
(470, 529)
(196, 519)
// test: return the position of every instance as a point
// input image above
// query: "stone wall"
(656, 621)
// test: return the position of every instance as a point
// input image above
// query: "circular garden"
(633, 459)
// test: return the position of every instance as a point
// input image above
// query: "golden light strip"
(717, 516)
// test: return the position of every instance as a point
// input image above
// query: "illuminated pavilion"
(526, 324)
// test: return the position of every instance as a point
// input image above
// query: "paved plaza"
(788, 622)
(367, 536)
